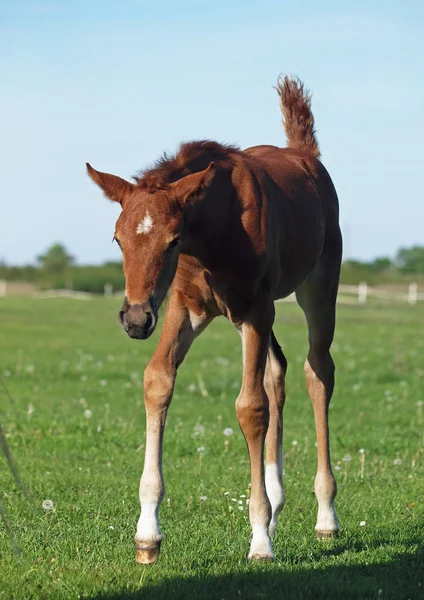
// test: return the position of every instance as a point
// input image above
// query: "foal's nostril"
(121, 316)
(149, 321)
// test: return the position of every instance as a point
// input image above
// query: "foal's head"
(148, 232)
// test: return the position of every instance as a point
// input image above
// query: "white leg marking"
(327, 518)
(260, 546)
(148, 529)
(275, 493)
(151, 492)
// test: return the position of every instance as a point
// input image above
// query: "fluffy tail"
(298, 120)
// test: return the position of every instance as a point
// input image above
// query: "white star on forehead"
(145, 224)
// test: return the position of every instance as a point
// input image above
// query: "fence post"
(362, 292)
(108, 289)
(413, 293)
(3, 288)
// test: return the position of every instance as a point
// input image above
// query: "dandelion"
(88, 414)
(234, 499)
(47, 505)
(228, 431)
(337, 467)
(242, 495)
(111, 527)
(362, 524)
(294, 443)
(30, 369)
(103, 382)
(240, 507)
(191, 387)
(226, 493)
(199, 428)
(397, 461)
(201, 450)
(30, 410)
(203, 498)
(99, 428)
(361, 451)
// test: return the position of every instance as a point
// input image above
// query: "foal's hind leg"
(318, 305)
(276, 367)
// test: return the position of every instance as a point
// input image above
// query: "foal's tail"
(298, 120)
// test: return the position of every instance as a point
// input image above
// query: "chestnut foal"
(229, 232)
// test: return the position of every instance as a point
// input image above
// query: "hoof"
(261, 557)
(147, 555)
(326, 535)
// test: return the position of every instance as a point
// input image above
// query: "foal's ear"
(192, 188)
(113, 187)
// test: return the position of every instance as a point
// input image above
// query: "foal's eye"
(174, 242)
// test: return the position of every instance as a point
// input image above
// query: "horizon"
(119, 85)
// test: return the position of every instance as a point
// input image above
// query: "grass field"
(76, 431)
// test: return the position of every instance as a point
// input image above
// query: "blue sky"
(118, 83)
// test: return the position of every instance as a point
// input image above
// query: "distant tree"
(381, 263)
(56, 259)
(410, 260)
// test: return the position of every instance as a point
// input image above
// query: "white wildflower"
(347, 458)
(362, 524)
(88, 414)
(361, 451)
(397, 461)
(47, 505)
(294, 443)
(228, 431)
(201, 450)
(199, 428)
(203, 498)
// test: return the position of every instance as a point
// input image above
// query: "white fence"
(348, 294)
(362, 293)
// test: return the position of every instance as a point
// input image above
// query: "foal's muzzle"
(138, 320)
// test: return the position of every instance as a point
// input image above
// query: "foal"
(229, 232)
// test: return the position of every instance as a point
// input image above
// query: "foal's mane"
(191, 157)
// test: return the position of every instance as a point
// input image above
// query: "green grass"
(64, 357)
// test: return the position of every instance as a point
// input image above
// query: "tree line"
(56, 269)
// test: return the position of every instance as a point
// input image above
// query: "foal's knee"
(252, 411)
(158, 386)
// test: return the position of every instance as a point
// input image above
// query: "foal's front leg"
(159, 378)
(253, 415)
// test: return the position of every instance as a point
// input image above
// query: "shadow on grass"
(401, 578)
